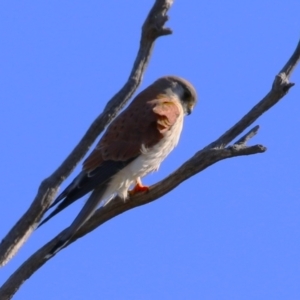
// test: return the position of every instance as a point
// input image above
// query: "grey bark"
(209, 155)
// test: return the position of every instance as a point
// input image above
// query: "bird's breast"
(149, 160)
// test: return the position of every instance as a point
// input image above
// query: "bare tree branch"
(199, 162)
(291, 63)
(152, 29)
(280, 87)
(214, 152)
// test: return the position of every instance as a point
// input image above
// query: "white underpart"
(147, 162)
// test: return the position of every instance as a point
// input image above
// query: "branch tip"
(244, 139)
(153, 26)
(242, 149)
(288, 86)
(166, 31)
(292, 62)
(260, 148)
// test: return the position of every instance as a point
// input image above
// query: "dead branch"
(152, 29)
(214, 152)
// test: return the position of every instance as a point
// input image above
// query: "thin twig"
(280, 88)
(250, 134)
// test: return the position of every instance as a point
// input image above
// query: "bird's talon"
(138, 188)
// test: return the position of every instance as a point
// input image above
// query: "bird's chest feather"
(149, 160)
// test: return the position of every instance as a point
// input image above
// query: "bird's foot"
(138, 188)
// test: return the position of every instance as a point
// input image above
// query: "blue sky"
(230, 232)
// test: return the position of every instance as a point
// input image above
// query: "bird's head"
(184, 90)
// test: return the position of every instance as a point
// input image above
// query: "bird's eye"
(187, 94)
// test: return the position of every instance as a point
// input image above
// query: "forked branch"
(214, 152)
(152, 29)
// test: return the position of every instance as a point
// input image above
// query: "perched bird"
(134, 144)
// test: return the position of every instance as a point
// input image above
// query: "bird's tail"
(86, 212)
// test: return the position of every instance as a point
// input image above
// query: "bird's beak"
(189, 109)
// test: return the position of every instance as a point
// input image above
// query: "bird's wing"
(136, 126)
(139, 124)
(83, 184)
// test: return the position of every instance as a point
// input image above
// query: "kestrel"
(134, 144)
